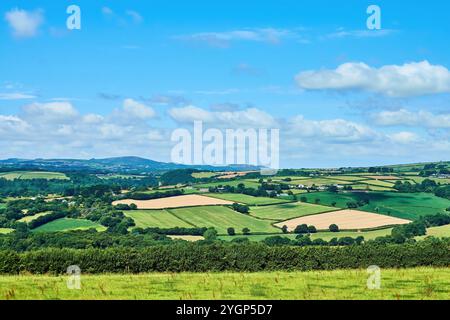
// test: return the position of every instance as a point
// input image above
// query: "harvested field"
(345, 219)
(187, 238)
(191, 200)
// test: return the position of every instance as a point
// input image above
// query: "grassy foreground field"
(420, 283)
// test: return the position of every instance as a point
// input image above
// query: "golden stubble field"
(192, 200)
(345, 219)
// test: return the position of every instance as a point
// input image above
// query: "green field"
(371, 187)
(438, 232)
(403, 284)
(28, 175)
(2, 205)
(245, 199)
(327, 236)
(6, 230)
(232, 183)
(347, 178)
(323, 181)
(204, 175)
(222, 218)
(286, 211)
(31, 218)
(156, 218)
(67, 224)
(420, 179)
(402, 205)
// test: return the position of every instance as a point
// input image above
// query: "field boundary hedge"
(216, 257)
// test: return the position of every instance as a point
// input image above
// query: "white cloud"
(337, 130)
(16, 96)
(404, 117)
(135, 16)
(138, 110)
(342, 33)
(107, 11)
(410, 79)
(251, 117)
(223, 39)
(53, 111)
(24, 24)
(404, 137)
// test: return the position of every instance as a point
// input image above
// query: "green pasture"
(246, 199)
(286, 211)
(221, 218)
(396, 284)
(156, 218)
(68, 224)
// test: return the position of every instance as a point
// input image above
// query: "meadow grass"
(396, 284)
(156, 218)
(221, 218)
(203, 175)
(402, 205)
(231, 183)
(33, 217)
(327, 236)
(286, 211)
(438, 232)
(246, 199)
(67, 224)
(28, 175)
(6, 230)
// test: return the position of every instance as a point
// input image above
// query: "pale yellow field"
(187, 238)
(345, 219)
(191, 200)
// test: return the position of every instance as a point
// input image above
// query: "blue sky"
(341, 94)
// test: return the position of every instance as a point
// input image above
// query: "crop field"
(222, 218)
(156, 218)
(378, 183)
(323, 181)
(420, 179)
(175, 202)
(232, 183)
(6, 230)
(371, 187)
(402, 205)
(31, 218)
(203, 175)
(396, 284)
(345, 219)
(246, 199)
(67, 224)
(438, 232)
(281, 212)
(351, 178)
(28, 175)
(327, 236)
(383, 177)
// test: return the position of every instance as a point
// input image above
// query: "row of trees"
(215, 257)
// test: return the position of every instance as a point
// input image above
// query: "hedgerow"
(249, 257)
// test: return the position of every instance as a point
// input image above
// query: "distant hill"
(131, 165)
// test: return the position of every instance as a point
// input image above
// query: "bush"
(333, 228)
(231, 231)
(244, 257)
(246, 231)
(241, 208)
(312, 229)
(301, 229)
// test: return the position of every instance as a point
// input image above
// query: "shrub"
(333, 228)
(231, 231)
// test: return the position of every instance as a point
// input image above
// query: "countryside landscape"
(241, 154)
(53, 219)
